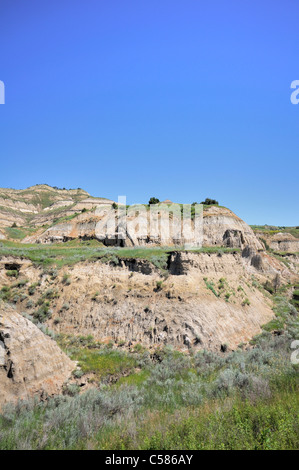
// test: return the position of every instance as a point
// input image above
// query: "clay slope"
(30, 362)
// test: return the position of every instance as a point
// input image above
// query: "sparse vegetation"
(247, 399)
(211, 286)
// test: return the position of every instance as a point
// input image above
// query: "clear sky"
(174, 99)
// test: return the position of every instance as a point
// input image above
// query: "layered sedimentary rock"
(41, 205)
(281, 242)
(220, 227)
(284, 242)
(30, 362)
(133, 301)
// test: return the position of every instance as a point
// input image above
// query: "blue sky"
(175, 99)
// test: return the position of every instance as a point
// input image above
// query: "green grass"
(275, 324)
(272, 230)
(75, 251)
(103, 363)
(211, 286)
(18, 233)
(136, 378)
(95, 357)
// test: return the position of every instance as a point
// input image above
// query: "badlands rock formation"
(279, 241)
(196, 299)
(41, 205)
(30, 362)
(220, 227)
(130, 301)
(224, 228)
(284, 242)
(134, 304)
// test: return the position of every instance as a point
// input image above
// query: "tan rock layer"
(30, 362)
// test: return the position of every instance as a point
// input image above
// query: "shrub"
(53, 272)
(12, 273)
(20, 283)
(32, 288)
(65, 306)
(78, 373)
(66, 279)
(43, 313)
(71, 390)
(154, 200)
(50, 294)
(5, 293)
(159, 285)
(210, 202)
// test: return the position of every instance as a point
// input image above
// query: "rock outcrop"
(132, 301)
(224, 228)
(220, 227)
(278, 241)
(30, 362)
(125, 304)
(284, 242)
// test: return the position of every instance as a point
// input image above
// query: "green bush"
(210, 202)
(154, 200)
(12, 273)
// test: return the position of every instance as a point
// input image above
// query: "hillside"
(40, 205)
(278, 239)
(42, 214)
(115, 328)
